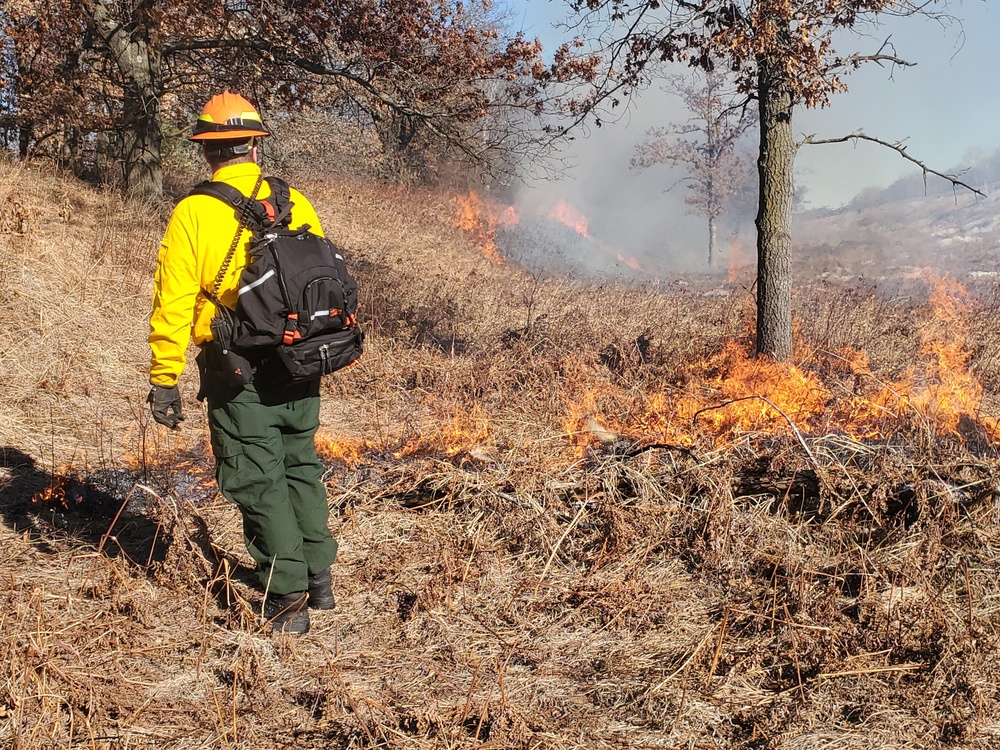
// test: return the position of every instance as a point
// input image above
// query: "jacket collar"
(236, 171)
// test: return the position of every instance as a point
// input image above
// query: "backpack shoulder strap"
(247, 210)
(222, 191)
(244, 206)
(279, 204)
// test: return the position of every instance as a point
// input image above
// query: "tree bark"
(712, 234)
(24, 132)
(143, 140)
(140, 65)
(774, 216)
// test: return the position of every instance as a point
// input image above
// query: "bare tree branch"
(855, 61)
(900, 149)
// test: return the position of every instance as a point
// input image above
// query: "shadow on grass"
(109, 511)
(113, 513)
(57, 510)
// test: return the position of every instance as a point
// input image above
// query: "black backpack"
(296, 296)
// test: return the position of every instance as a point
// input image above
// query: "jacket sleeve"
(175, 291)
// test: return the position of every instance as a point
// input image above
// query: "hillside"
(571, 514)
(896, 240)
(891, 234)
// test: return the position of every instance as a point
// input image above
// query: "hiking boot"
(320, 592)
(288, 613)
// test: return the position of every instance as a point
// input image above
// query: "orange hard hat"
(228, 116)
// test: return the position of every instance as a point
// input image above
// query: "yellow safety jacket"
(199, 235)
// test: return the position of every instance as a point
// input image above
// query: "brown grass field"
(571, 514)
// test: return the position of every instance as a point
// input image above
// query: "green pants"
(263, 441)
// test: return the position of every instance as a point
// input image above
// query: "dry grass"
(75, 289)
(501, 583)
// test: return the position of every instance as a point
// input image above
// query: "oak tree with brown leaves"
(441, 69)
(705, 145)
(781, 53)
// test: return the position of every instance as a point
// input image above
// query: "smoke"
(942, 110)
(640, 212)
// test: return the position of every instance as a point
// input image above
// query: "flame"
(941, 391)
(628, 260)
(481, 218)
(569, 216)
(57, 493)
(581, 426)
(463, 432)
(345, 450)
(733, 394)
(759, 394)
(564, 213)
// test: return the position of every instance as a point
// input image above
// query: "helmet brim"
(228, 135)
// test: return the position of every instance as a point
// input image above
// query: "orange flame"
(345, 450)
(569, 216)
(733, 394)
(564, 213)
(56, 493)
(481, 218)
(942, 391)
(465, 431)
(628, 260)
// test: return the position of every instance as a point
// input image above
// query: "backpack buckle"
(292, 332)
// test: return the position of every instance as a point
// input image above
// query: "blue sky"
(947, 109)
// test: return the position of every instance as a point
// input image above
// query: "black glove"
(165, 404)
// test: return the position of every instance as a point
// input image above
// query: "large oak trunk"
(774, 217)
(142, 79)
(142, 143)
(24, 139)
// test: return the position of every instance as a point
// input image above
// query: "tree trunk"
(142, 141)
(774, 217)
(712, 232)
(24, 139)
(71, 148)
(140, 66)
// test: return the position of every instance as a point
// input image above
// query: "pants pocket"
(230, 472)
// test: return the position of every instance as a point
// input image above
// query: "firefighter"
(262, 434)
